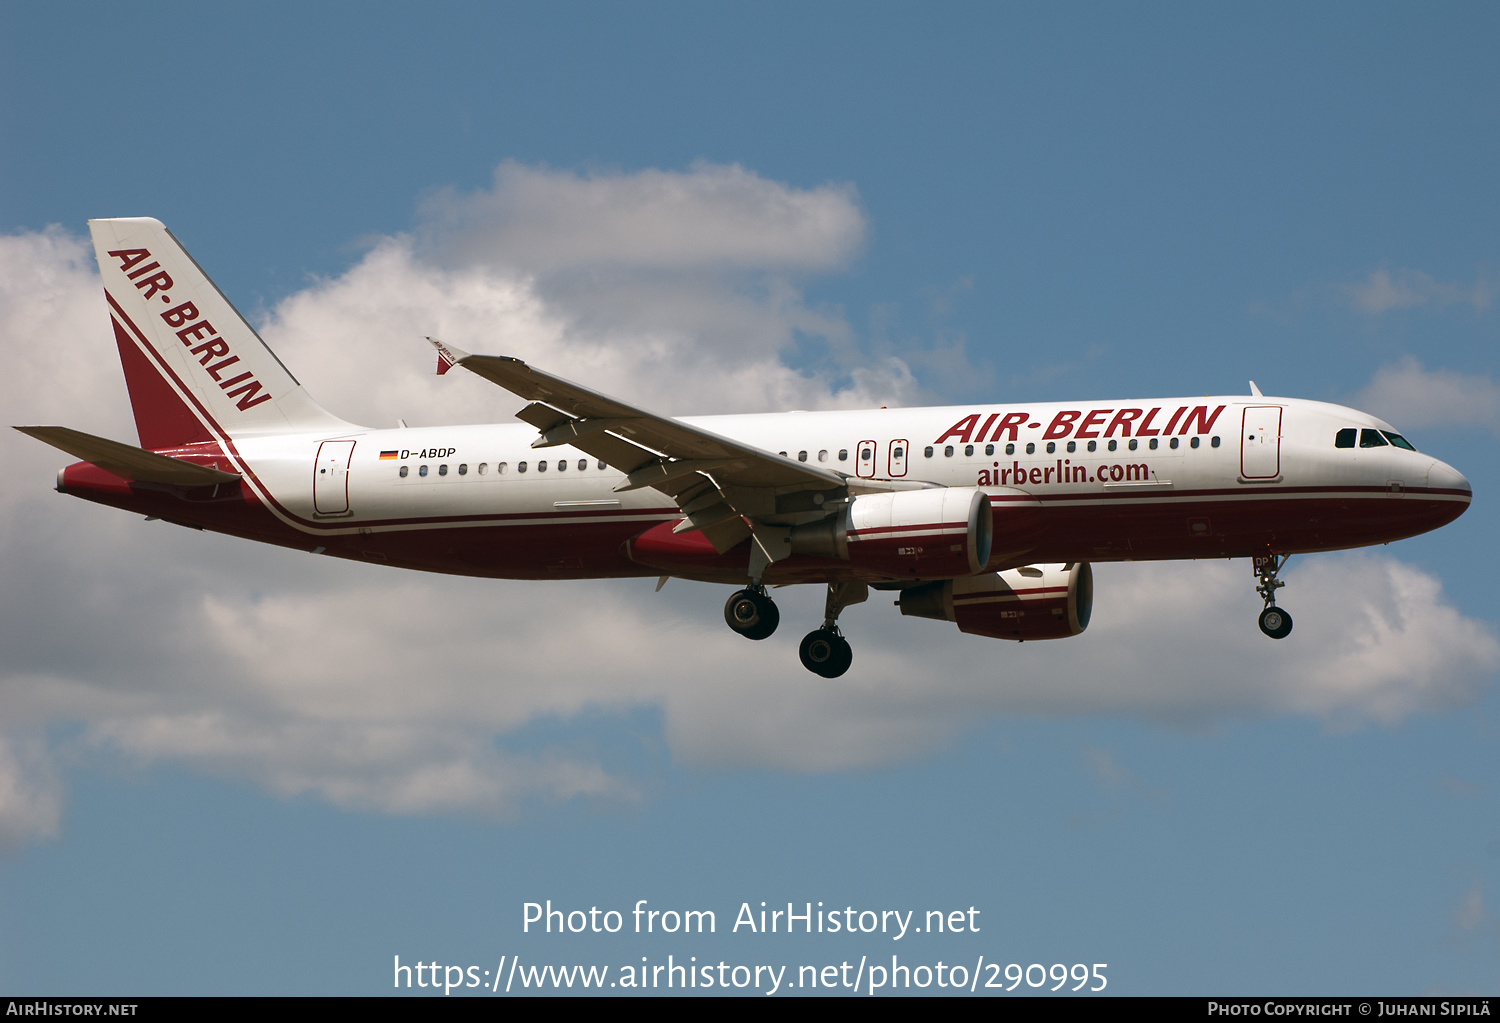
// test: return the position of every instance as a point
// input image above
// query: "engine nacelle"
(924, 534)
(1035, 602)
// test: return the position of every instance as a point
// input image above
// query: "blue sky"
(218, 774)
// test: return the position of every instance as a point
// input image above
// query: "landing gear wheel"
(752, 614)
(826, 653)
(1276, 623)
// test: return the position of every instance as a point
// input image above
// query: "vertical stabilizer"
(195, 369)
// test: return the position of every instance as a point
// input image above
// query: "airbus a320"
(984, 516)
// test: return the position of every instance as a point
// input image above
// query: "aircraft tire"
(753, 615)
(1276, 623)
(826, 653)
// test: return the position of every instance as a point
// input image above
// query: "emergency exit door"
(898, 449)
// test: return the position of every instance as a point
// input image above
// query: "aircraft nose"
(1442, 476)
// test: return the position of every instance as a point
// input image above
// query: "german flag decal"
(384, 455)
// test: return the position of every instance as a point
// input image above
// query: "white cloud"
(674, 290)
(715, 216)
(1384, 290)
(405, 693)
(31, 794)
(1412, 397)
(58, 352)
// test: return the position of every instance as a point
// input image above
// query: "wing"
(728, 489)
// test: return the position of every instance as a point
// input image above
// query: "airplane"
(987, 516)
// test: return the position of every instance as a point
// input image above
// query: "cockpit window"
(1345, 438)
(1398, 440)
(1371, 439)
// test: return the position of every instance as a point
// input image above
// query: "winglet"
(448, 356)
(1255, 390)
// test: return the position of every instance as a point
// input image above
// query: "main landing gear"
(751, 613)
(1274, 621)
(824, 651)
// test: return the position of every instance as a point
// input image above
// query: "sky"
(232, 769)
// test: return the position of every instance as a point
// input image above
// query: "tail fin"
(195, 369)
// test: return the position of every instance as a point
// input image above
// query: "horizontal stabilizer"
(126, 461)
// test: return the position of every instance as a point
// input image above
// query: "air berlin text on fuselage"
(1082, 424)
(1063, 471)
(197, 334)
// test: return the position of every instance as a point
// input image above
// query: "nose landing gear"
(751, 613)
(1274, 621)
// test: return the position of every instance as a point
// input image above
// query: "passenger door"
(1260, 442)
(331, 477)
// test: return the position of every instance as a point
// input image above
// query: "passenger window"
(520, 467)
(1345, 438)
(1133, 444)
(1193, 442)
(802, 456)
(422, 471)
(601, 465)
(1093, 445)
(823, 456)
(443, 470)
(1052, 447)
(1113, 445)
(1072, 446)
(1031, 449)
(583, 463)
(562, 465)
(402, 473)
(500, 468)
(928, 451)
(1212, 443)
(1397, 440)
(968, 451)
(1010, 449)
(482, 467)
(463, 468)
(541, 466)
(843, 454)
(1173, 445)
(1153, 444)
(989, 449)
(1371, 439)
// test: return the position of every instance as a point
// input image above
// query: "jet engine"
(1035, 602)
(931, 534)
